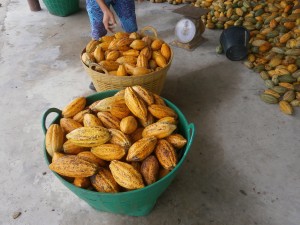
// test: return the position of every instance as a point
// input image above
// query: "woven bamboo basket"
(104, 81)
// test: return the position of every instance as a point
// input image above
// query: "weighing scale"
(188, 30)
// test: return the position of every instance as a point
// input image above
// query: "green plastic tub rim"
(189, 135)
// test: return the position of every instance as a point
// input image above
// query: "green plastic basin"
(137, 202)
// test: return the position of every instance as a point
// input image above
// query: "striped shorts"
(125, 10)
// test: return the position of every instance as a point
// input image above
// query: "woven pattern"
(62, 7)
(153, 81)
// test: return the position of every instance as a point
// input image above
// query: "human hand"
(109, 21)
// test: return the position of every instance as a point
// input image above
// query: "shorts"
(125, 10)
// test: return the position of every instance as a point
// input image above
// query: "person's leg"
(96, 17)
(97, 28)
(125, 9)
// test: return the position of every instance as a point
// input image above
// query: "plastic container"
(62, 7)
(134, 203)
(152, 81)
(234, 41)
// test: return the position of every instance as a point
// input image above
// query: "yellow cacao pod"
(104, 45)
(92, 106)
(135, 104)
(152, 64)
(124, 42)
(99, 54)
(139, 71)
(128, 125)
(149, 120)
(159, 130)
(129, 68)
(289, 25)
(107, 38)
(149, 169)
(286, 107)
(156, 44)
(166, 51)
(131, 52)
(166, 154)
(90, 157)
(119, 138)
(292, 68)
(168, 119)
(74, 107)
(271, 92)
(142, 61)
(155, 54)
(135, 35)
(113, 55)
(108, 120)
(141, 149)
(148, 40)
(87, 58)
(113, 45)
(108, 152)
(160, 61)
(177, 140)
(121, 71)
(106, 103)
(161, 111)
(82, 182)
(158, 100)
(275, 61)
(120, 35)
(54, 139)
(103, 181)
(68, 124)
(89, 136)
(109, 65)
(284, 38)
(125, 175)
(72, 166)
(117, 109)
(127, 59)
(146, 95)
(70, 148)
(147, 52)
(79, 116)
(91, 46)
(90, 120)
(57, 155)
(286, 85)
(138, 44)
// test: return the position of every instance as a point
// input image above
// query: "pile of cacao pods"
(174, 2)
(274, 27)
(127, 54)
(120, 143)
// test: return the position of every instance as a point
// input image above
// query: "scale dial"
(185, 30)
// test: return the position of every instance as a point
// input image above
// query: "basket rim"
(128, 77)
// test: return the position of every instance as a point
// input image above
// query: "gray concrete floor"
(243, 167)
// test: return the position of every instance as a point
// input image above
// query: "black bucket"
(234, 41)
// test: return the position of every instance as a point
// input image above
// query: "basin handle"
(48, 111)
(191, 133)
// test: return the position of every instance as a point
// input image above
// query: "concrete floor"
(243, 167)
